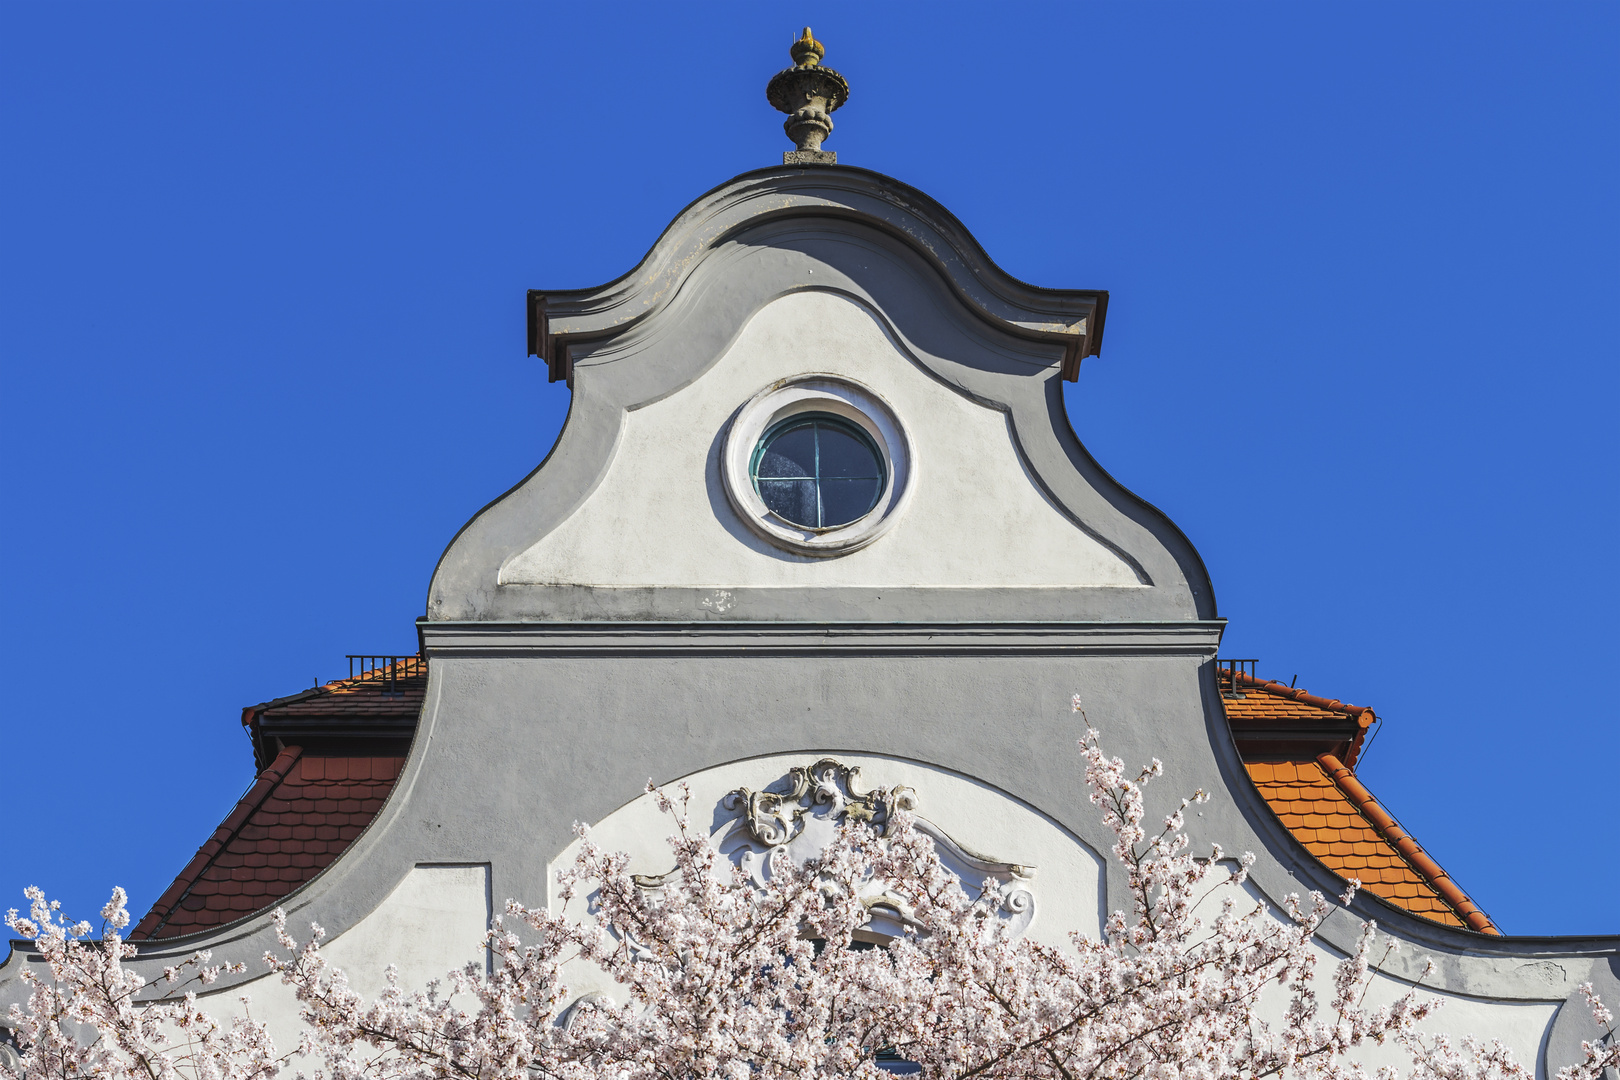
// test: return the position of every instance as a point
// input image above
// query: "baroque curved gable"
(841, 273)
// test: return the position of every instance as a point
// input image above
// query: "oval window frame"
(843, 399)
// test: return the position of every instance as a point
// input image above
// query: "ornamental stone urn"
(808, 93)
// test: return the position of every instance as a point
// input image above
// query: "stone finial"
(807, 51)
(808, 93)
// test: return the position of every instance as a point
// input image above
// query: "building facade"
(817, 518)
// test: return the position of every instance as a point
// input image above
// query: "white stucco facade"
(431, 924)
(977, 517)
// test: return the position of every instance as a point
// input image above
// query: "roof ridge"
(1347, 744)
(1301, 695)
(350, 682)
(1410, 850)
(181, 887)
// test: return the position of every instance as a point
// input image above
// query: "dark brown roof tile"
(273, 841)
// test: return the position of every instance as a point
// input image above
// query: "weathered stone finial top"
(808, 93)
(807, 51)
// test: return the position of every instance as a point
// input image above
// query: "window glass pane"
(818, 471)
(845, 454)
(792, 453)
(891, 1062)
(792, 499)
(842, 501)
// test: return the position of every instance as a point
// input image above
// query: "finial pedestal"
(808, 93)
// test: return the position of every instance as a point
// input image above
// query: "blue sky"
(261, 351)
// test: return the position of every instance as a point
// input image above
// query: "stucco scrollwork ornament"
(777, 818)
(803, 815)
(10, 1049)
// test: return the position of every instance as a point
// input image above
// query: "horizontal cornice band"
(460, 639)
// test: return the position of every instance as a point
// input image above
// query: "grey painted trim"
(1574, 1023)
(859, 235)
(589, 603)
(442, 640)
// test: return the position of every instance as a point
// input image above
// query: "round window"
(817, 464)
(817, 471)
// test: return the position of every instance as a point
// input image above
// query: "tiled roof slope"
(1299, 749)
(328, 758)
(299, 816)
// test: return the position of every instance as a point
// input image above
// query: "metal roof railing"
(386, 669)
(1226, 675)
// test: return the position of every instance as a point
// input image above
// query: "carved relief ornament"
(776, 819)
(801, 820)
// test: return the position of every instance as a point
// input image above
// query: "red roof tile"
(380, 704)
(248, 864)
(329, 758)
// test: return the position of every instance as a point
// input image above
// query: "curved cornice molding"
(1070, 318)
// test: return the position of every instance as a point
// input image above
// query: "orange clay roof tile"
(1269, 719)
(1309, 781)
(1350, 838)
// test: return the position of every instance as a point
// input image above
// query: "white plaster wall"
(1067, 885)
(975, 517)
(432, 923)
(1522, 1026)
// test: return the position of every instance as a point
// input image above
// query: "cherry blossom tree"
(722, 974)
